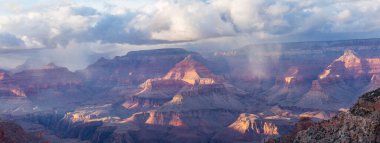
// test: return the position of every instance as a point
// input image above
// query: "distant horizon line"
(315, 41)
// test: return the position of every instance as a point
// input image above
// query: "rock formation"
(349, 65)
(315, 98)
(288, 88)
(13, 133)
(155, 92)
(192, 72)
(360, 124)
(247, 127)
(341, 82)
(49, 76)
(135, 67)
(291, 77)
(7, 89)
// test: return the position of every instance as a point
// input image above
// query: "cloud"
(84, 11)
(117, 25)
(167, 21)
(8, 41)
(181, 21)
(111, 29)
(47, 27)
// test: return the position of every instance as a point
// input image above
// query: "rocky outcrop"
(192, 72)
(303, 124)
(360, 124)
(247, 128)
(12, 133)
(367, 105)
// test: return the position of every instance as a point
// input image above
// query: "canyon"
(245, 94)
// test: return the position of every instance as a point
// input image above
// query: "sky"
(74, 33)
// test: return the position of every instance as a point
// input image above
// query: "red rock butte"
(192, 72)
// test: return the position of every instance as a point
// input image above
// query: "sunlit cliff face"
(155, 119)
(192, 72)
(249, 123)
(351, 65)
(191, 77)
(270, 129)
(91, 114)
(18, 92)
(349, 62)
(288, 80)
(290, 76)
(325, 74)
